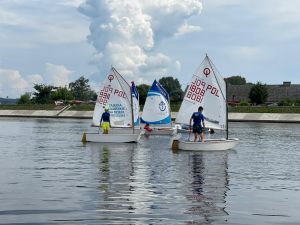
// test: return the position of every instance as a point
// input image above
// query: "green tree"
(81, 89)
(25, 98)
(258, 93)
(42, 95)
(61, 93)
(236, 80)
(92, 95)
(143, 90)
(173, 87)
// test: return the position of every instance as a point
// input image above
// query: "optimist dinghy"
(207, 89)
(116, 93)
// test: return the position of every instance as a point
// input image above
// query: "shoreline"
(232, 117)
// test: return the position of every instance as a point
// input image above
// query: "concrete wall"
(265, 117)
(233, 117)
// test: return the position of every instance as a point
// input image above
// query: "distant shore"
(232, 117)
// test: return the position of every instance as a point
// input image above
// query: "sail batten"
(206, 89)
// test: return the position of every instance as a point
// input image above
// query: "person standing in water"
(105, 121)
(198, 124)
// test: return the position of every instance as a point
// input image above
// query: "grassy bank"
(29, 107)
(264, 109)
(174, 108)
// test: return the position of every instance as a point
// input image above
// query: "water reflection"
(209, 185)
(48, 176)
(137, 184)
(114, 176)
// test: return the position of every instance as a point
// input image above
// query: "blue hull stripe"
(167, 120)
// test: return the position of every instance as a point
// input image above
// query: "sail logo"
(110, 77)
(162, 106)
(206, 71)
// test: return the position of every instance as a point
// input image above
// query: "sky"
(54, 42)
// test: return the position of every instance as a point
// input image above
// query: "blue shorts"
(197, 129)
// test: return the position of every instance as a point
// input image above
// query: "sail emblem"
(206, 71)
(110, 77)
(162, 106)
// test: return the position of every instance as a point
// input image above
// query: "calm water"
(47, 176)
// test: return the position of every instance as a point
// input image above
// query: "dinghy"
(157, 112)
(207, 89)
(117, 94)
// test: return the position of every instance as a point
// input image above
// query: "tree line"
(47, 94)
(81, 90)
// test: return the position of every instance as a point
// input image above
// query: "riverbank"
(232, 117)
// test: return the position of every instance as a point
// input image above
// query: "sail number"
(198, 88)
(106, 92)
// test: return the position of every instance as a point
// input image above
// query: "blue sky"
(55, 42)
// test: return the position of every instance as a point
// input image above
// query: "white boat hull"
(208, 145)
(110, 138)
(124, 130)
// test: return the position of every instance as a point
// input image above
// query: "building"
(237, 93)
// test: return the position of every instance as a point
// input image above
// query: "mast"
(226, 92)
(131, 106)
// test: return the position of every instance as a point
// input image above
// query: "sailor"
(147, 128)
(198, 128)
(105, 120)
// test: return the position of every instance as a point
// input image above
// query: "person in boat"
(105, 121)
(211, 131)
(198, 124)
(147, 127)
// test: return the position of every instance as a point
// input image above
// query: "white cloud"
(35, 79)
(29, 24)
(224, 3)
(125, 33)
(57, 75)
(186, 28)
(12, 84)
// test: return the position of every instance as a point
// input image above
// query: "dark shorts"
(197, 129)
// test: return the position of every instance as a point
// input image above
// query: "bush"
(289, 102)
(25, 99)
(243, 103)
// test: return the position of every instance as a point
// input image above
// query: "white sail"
(156, 109)
(135, 105)
(116, 94)
(207, 89)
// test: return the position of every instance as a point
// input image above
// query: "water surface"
(47, 176)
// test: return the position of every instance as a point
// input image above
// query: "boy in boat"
(147, 128)
(198, 129)
(105, 121)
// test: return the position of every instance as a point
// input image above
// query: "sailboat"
(207, 89)
(156, 111)
(116, 94)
